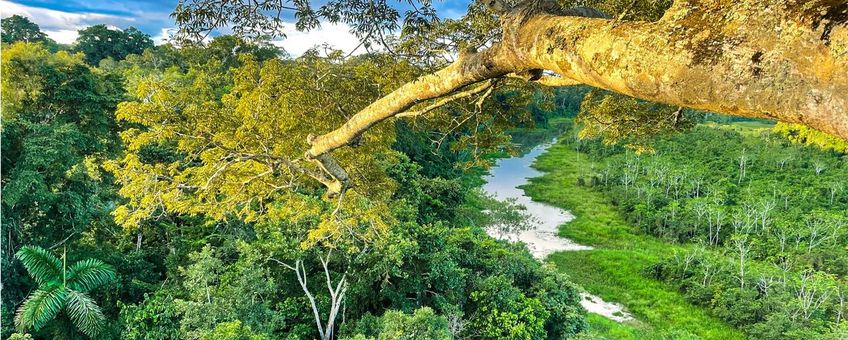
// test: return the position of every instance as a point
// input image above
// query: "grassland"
(614, 270)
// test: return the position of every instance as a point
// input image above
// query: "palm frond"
(42, 265)
(89, 274)
(85, 313)
(41, 307)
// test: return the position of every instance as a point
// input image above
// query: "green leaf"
(41, 307)
(43, 266)
(85, 313)
(89, 274)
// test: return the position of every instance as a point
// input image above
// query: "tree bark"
(782, 60)
(770, 61)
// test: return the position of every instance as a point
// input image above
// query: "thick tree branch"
(789, 63)
(469, 69)
(708, 55)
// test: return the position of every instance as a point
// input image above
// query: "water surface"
(542, 240)
(503, 182)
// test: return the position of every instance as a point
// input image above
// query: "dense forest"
(221, 188)
(77, 138)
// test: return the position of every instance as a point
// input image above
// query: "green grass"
(603, 328)
(614, 269)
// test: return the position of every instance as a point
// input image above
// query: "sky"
(61, 19)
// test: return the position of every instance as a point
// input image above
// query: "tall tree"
(19, 28)
(99, 42)
(56, 125)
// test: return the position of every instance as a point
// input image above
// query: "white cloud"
(337, 36)
(164, 35)
(63, 36)
(58, 25)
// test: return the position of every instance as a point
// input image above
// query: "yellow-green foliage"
(801, 134)
(203, 142)
(22, 79)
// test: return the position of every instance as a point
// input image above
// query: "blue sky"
(60, 19)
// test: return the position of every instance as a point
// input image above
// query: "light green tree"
(62, 288)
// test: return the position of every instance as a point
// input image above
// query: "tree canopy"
(99, 42)
(213, 217)
(19, 28)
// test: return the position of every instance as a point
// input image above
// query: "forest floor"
(614, 269)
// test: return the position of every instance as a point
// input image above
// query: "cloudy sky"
(61, 19)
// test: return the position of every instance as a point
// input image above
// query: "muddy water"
(502, 183)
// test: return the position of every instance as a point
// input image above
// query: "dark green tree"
(99, 42)
(19, 28)
(57, 129)
(56, 126)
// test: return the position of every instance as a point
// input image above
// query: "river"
(503, 183)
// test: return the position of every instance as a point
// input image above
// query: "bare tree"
(701, 211)
(627, 178)
(687, 260)
(337, 294)
(784, 264)
(842, 296)
(766, 207)
(811, 293)
(834, 188)
(764, 284)
(710, 269)
(657, 174)
(782, 234)
(714, 221)
(695, 183)
(742, 246)
(818, 231)
(743, 162)
(819, 166)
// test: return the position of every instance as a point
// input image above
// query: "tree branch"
(445, 100)
(751, 64)
(469, 69)
(786, 64)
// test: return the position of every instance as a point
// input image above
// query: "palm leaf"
(85, 314)
(42, 265)
(41, 307)
(89, 274)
